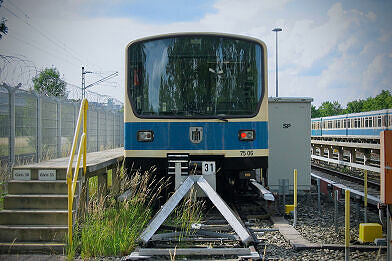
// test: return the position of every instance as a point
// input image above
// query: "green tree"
(48, 82)
(381, 101)
(355, 106)
(328, 108)
(3, 26)
(315, 112)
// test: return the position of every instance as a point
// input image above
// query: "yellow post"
(347, 226)
(295, 198)
(85, 104)
(365, 192)
(69, 182)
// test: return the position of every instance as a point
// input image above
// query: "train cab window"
(201, 76)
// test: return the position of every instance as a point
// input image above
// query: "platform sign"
(47, 174)
(22, 174)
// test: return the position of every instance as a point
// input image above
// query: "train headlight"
(145, 136)
(246, 135)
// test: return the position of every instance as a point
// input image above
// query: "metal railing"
(72, 179)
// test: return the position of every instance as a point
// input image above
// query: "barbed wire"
(19, 71)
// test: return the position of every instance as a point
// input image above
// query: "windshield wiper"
(219, 117)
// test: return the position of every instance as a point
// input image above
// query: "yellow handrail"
(71, 179)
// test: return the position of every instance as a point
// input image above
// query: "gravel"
(318, 227)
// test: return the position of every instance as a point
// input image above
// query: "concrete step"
(38, 187)
(34, 201)
(29, 233)
(32, 248)
(33, 217)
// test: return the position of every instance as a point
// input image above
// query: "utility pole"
(276, 30)
(84, 87)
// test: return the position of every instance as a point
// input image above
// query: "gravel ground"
(319, 228)
(315, 226)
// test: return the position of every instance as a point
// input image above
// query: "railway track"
(349, 177)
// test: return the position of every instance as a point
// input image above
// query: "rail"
(72, 179)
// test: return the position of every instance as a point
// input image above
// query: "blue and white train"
(198, 96)
(367, 125)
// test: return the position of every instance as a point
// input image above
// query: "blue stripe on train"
(175, 136)
(344, 132)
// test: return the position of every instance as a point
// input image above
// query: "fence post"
(114, 130)
(39, 127)
(106, 128)
(58, 127)
(97, 111)
(295, 198)
(347, 226)
(11, 141)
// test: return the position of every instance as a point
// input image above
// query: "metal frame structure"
(173, 201)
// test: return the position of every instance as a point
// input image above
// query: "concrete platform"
(95, 161)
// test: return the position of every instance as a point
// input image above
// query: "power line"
(42, 50)
(26, 21)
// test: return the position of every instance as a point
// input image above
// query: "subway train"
(199, 99)
(366, 125)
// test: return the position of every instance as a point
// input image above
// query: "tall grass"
(188, 212)
(111, 228)
(4, 177)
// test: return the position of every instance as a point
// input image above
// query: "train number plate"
(208, 167)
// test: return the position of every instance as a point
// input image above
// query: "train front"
(197, 104)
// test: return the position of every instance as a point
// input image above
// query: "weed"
(4, 177)
(188, 212)
(111, 228)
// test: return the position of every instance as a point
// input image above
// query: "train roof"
(353, 115)
(289, 99)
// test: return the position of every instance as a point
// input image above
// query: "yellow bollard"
(295, 198)
(347, 226)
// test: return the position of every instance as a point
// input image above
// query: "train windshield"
(195, 77)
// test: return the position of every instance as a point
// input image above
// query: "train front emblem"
(196, 134)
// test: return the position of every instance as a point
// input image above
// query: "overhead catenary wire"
(27, 21)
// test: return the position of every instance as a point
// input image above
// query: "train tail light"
(145, 136)
(246, 135)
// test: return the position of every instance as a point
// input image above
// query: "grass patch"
(188, 212)
(111, 228)
(4, 177)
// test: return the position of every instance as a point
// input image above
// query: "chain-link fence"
(34, 127)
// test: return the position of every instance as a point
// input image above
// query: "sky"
(328, 50)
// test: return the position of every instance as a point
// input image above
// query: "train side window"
(379, 121)
(338, 124)
(370, 122)
(366, 122)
